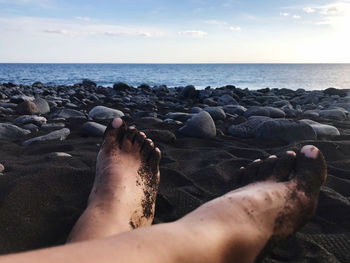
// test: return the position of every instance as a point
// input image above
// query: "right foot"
(281, 197)
(127, 176)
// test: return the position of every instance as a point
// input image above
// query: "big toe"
(114, 134)
(311, 170)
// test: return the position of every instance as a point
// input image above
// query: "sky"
(176, 31)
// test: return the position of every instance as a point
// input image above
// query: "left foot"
(126, 184)
(127, 175)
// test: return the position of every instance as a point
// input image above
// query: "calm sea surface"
(253, 76)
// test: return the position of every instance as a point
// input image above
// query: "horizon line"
(175, 63)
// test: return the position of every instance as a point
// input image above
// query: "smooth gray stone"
(311, 114)
(188, 92)
(196, 109)
(160, 135)
(179, 116)
(200, 125)
(151, 120)
(226, 100)
(25, 119)
(281, 103)
(257, 111)
(322, 129)
(285, 130)
(71, 105)
(42, 105)
(234, 109)
(210, 102)
(68, 114)
(171, 121)
(216, 113)
(265, 111)
(55, 135)
(9, 131)
(334, 114)
(94, 129)
(58, 154)
(247, 129)
(7, 111)
(104, 113)
(55, 125)
(8, 105)
(31, 127)
(21, 98)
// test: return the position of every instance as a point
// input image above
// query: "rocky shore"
(50, 135)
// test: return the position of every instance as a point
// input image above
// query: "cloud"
(216, 22)
(121, 33)
(336, 15)
(83, 18)
(72, 28)
(308, 10)
(235, 28)
(193, 33)
(284, 14)
(330, 10)
(296, 16)
(60, 31)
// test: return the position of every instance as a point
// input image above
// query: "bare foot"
(127, 174)
(126, 183)
(281, 197)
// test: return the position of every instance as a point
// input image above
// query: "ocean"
(252, 76)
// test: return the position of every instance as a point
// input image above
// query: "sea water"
(253, 76)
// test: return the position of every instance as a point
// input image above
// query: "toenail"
(291, 153)
(150, 142)
(272, 157)
(132, 128)
(310, 151)
(117, 122)
(241, 168)
(157, 149)
(257, 160)
(143, 134)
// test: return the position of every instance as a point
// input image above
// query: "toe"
(266, 168)
(114, 134)
(139, 140)
(129, 138)
(248, 174)
(284, 166)
(311, 169)
(154, 159)
(147, 149)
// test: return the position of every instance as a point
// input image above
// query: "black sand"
(42, 196)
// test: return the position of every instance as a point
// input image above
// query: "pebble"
(25, 119)
(27, 107)
(12, 132)
(55, 135)
(68, 114)
(42, 105)
(104, 113)
(285, 130)
(216, 113)
(200, 125)
(94, 129)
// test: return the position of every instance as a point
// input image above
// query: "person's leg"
(231, 228)
(126, 183)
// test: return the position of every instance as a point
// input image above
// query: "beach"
(50, 136)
